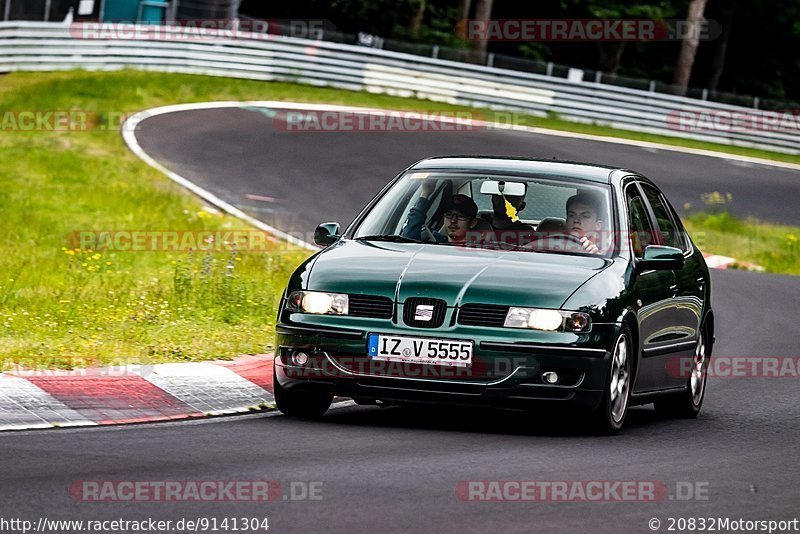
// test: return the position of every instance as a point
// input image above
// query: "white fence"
(35, 46)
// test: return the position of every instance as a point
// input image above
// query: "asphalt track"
(397, 469)
(313, 176)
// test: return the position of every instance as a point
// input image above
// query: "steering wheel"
(572, 241)
(426, 234)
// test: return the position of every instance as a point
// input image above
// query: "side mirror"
(658, 258)
(327, 234)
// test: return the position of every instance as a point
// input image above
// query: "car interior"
(537, 205)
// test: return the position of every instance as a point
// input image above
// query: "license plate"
(448, 352)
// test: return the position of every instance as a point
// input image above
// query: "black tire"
(301, 403)
(609, 417)
(687, 403)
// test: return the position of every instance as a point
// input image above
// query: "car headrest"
(552, 224)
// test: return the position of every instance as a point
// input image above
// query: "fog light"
(299, 358)
(550, 377)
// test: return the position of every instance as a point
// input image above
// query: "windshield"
(494, 211)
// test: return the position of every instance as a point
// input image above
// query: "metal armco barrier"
(36, 46)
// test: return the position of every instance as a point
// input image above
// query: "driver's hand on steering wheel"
(589, 246)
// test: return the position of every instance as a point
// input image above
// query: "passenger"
(506, 228)
(584, 220)
(460, 216)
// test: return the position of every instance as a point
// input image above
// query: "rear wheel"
(609, 417)
(299, 403)
(687, 404)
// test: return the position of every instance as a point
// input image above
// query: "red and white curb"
(715, 261)
(135, 393)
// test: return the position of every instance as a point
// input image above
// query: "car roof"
(540, 167)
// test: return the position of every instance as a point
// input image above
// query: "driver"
(585, 222)
(460, 216)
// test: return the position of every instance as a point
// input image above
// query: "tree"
(416, 21)
(689, 44)
(463, 9)
(610, 53)
(461, 18)
(610, 56)
(483, 11)
(721, 48)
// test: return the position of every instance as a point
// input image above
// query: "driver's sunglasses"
(455, 215)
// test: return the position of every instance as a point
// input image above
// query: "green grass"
(63, 307)
(774, 247)
(68, 308)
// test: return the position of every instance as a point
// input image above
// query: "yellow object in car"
(511, 211)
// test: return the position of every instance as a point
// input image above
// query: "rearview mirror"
(658, 258)
(327, 234)
(494, 187)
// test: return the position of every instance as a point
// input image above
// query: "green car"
(500, 282)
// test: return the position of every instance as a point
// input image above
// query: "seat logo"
(424, 312)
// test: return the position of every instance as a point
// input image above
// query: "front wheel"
(305, 404)
(687, 404)
(609, 417)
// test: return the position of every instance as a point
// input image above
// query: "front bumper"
(506, 373)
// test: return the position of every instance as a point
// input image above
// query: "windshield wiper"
(392, 238)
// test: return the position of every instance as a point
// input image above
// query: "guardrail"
(35, 46)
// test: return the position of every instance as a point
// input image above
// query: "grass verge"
(62, 307)
(774, 247)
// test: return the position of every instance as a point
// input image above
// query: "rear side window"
(669, 232)
(641, 231)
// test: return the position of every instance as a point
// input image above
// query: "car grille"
(370, 306)
(482, 315)
(411, 314)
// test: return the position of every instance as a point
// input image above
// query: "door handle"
(674, 289)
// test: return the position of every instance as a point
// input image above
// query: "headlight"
(551, 320)
(317, 302)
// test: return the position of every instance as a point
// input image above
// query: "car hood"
(458, 275)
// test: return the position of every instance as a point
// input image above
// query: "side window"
(641, 231)
(670, 233)
(683, 237)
